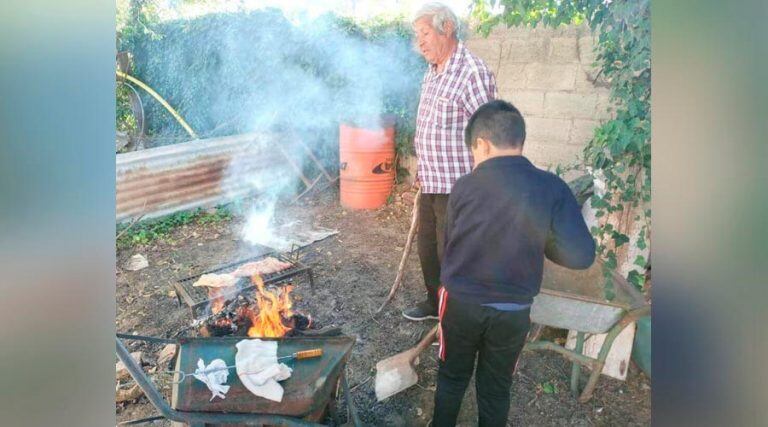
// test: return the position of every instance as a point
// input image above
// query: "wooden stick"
(307, 189)
(316, 160)
(406, 251)
(295, 167)
(125, 394)
(360, 384)
(133, 222)
(123, 231)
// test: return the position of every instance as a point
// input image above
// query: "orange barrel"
(367, 169)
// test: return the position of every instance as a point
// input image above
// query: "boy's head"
(496, 129)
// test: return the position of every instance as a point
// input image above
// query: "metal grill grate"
(197, 297)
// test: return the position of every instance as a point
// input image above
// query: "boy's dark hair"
(498, 122)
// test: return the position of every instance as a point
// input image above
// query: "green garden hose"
(159, 99)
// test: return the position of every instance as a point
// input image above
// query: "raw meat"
(216, 280)
(267, 265)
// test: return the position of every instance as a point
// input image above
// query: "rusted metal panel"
(163, 180)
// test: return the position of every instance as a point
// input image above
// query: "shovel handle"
(308, 354)
(427, 340)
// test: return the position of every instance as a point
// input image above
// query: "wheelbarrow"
(308, 393)
(575, 300)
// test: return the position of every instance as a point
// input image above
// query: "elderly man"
(456, 84)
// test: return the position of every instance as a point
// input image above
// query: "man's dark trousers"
(497, 337)
(432, 209)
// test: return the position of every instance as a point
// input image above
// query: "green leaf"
(598, 202)
(641, 241)
(640, 261)
(619, 238)
(638, 280)
(548, 388)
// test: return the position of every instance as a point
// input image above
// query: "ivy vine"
(619, 152)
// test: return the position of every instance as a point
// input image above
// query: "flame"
(217, 299)
(267, 321)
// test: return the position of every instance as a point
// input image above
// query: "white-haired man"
(455, 85)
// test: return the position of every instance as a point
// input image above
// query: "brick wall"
(547, 74)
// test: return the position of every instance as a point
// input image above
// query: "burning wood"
(221, 287)
(267, 321)
(218, 298)
(268, 313)
(218, 285)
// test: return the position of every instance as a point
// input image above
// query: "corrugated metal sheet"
(163, 180)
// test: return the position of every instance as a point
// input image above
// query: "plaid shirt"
(447, 101)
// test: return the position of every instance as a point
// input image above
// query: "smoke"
(284, 80)
(268, 181)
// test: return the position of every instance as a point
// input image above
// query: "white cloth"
(213, 380)
(258, 369)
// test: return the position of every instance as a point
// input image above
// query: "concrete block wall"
(548, 74)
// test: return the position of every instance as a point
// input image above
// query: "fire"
(218, 300)
(273, 307)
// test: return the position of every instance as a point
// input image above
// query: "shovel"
(397, 373)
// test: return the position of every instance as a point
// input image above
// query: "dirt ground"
(353, 273)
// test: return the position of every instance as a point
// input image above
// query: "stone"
(585, 79)
(563, 50)
(488, 50)
(548, 156)
(511, 76)
(550, 76)
(121, 372)
(517, 51)
(586, 46)
(604, 106)
(136, 263)
(503, 33)
(582, 131)
(547, 130)
(570, 105)
(529, 102)
(166, 354)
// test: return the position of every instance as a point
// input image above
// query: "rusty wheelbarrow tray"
(575, 300)
(300, 406)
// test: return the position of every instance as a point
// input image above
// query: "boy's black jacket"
(502, 219)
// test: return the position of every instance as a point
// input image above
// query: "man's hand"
(416, 182)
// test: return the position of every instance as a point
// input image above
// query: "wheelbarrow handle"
(147, 339)
(308, 354)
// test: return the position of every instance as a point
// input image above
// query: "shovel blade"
(394, 375)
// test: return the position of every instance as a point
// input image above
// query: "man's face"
(432, 45)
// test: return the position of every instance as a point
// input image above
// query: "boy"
(502, 219)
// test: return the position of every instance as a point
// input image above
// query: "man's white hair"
(440, 14)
